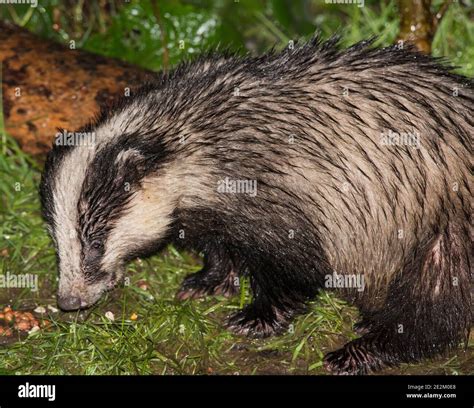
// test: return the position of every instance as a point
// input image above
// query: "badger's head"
(104, 205)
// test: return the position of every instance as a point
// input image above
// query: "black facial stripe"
(96, 277)
(108, 186)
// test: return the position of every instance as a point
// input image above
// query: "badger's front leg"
(259, 320)
(270, 312)
(219, 276)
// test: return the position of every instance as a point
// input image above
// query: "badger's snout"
(78, 295)
(75, 292)
(69, 303)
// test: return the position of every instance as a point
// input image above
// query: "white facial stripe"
(147, 219)
(68, 186)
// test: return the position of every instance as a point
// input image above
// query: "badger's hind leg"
(427, 312)
(219, 276)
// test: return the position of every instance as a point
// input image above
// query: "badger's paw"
(353, 359)
(249, 322)
(198, 285)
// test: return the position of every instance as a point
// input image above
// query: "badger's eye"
(92, 253)
(96, 245)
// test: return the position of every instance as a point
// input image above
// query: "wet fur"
(334, 200)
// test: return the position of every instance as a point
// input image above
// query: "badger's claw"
(248, 322)
(196, 286)
(353, 359)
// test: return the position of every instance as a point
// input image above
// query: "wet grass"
(168, 336)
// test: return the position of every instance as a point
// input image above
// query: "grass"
(171, 337)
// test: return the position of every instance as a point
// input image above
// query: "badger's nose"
(69, 303)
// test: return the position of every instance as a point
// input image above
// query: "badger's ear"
(130, 160)
(130, 164)
(128, 156)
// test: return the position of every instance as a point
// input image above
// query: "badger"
(287, 169)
